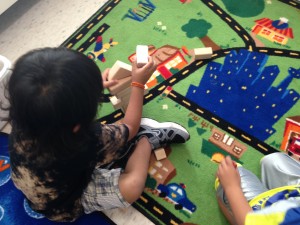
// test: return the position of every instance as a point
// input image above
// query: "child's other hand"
(106, 83)
(228, 174)
(142, 75)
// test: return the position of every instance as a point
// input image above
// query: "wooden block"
(119, 71)
(203, 53)
(124, 93)
(117, 104)
(160, 153)
(121, 85)
(141, 55)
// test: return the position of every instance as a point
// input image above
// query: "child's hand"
(106, 83)
(142, 75)
(228, 174)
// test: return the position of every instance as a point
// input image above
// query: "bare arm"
(230, 180)
(134, 110)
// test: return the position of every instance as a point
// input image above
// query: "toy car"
(177, 195)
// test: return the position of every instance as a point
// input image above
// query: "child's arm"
(134, 110)
(230, 180)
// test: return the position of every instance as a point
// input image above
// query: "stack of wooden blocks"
(121, 91)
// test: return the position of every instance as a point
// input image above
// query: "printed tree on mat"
(245, 8)
(199, 28)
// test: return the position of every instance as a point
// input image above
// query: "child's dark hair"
(51, 90)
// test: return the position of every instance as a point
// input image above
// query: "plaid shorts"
(103, 191)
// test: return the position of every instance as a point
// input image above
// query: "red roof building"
(273, 30)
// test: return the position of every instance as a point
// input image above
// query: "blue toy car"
(177, 195)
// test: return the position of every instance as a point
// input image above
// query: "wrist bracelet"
(137, 84)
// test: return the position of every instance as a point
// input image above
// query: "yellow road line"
(101, 29)
(262, 50)
(90, 25)
(200, 62)
(262, 147)
(144, 199)
(157, 210)
(245, 137)
(219, 11)
(294, 53)
(99, 17)
(246, 37)
(279, 52)
(229, 20)
(185, 102)
(148, 96)
(215, 119)
(173, 80)
(185, 72)
(200, 111)
(118, 115)
(109, 8)
(174, 96)
(79, 36)
(233, 130)
(173, 222)
(161, 88)
(70, 45)
(236, 27)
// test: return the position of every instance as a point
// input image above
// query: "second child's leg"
(279, 169)
(132, 180)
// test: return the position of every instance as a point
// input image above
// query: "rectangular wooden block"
(203, 53)
(119, 71)
(160, 154)
(121, 85)
(117, 104)
(141, 55)
(124, 93)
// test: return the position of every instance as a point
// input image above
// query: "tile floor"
(30, 24)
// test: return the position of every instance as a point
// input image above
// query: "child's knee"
(131, 189)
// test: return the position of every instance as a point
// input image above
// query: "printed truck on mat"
(177, 195)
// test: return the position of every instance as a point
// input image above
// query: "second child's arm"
(230, 180)
(134, 110)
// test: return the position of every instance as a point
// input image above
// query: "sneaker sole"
(153, 123)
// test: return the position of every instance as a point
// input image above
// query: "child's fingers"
(105, 74)
(110, 83)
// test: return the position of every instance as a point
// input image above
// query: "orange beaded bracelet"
(137, 84)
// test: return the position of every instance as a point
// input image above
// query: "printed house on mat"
(169, 59)
(292, 128)
(227, 143)
(162, 170)
(275, 31)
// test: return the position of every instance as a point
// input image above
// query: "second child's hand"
(230, 180)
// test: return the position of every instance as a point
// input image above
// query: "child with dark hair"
(60, 156)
